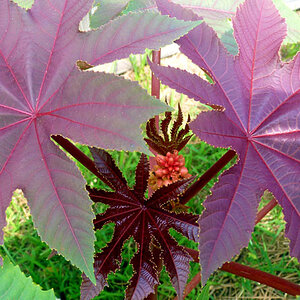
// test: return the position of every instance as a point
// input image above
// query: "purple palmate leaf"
(260, 120)
(148, 222)
(43, 93)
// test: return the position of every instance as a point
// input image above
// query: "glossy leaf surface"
(15, 285)
(260, 121)
(147, 222)
(43, 93)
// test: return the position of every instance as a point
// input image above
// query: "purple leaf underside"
(42, 93)
(148, 223)
(261, 100)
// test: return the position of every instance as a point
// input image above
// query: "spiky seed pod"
(169, 169)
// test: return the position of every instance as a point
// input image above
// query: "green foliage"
(106, 11)
(27, 4)
(135, 5)
(289, 51)
(292, 20)
(15, 285)
(205, 293)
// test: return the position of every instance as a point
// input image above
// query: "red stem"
(155, 92)
(255, 275)
(191, 285)
(155, 83)
(79, 155)
(196, 187)
(262, 277)
(266, 209)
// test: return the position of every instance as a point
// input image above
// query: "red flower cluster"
(169, 168)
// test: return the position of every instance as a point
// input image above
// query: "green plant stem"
(197, 186)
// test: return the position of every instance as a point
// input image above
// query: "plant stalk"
(78, 155)
(265, 210)
(155, 92)
(155, 83)
(197, 186)
(191, 285)
(255, 275)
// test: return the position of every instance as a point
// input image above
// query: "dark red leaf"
(168, 143)
(148, 223)
(141, 177)
(108, 168)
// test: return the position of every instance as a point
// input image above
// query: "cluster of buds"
(169, 168)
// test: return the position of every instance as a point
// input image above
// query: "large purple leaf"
(42, 93)
(148, 222)
(260, 120)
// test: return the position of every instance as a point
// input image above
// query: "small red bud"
(165, 171)
(184, 171)
(169, 168)
(171, 161)
(161, 157)
(166, 182)
(159, 183)
(159, 173)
